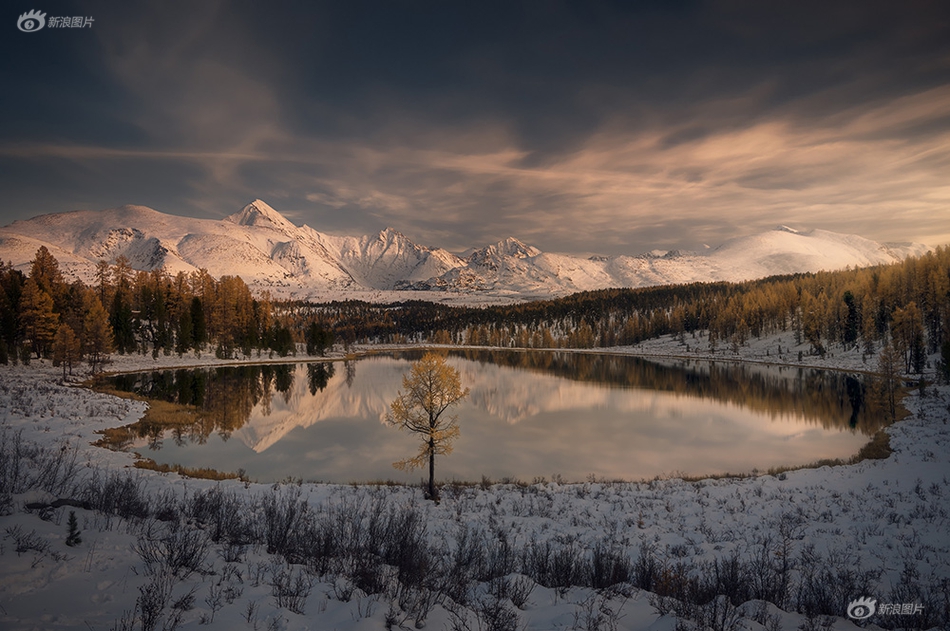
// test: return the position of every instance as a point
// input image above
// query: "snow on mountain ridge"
(389, 259)
(270, 252)
(259, 213)
(510, 247)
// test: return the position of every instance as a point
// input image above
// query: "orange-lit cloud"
(591, 133)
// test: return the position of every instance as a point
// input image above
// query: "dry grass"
(115, 438)
(878, 449)
(100, 386)
(159, 415)
(169, 415)
(191, 472)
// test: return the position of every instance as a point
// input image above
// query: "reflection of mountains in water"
(259, 405)
(830, 399)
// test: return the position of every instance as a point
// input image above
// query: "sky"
(578, 127)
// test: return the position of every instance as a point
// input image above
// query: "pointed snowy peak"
(784, 228)
(510, 247)
(259, 213)
(391, 235)
(518, 249)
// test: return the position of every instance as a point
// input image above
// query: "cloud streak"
(626, 146)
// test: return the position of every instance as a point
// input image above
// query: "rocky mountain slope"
(270, 252)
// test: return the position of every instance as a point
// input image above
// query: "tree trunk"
(432, 495)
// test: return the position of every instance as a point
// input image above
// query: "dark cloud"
(580, 126)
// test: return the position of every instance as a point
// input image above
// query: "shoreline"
(364, 351)
(168, 362)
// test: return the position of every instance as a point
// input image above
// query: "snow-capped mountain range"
(269, 252)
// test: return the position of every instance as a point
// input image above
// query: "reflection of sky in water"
(514, 423)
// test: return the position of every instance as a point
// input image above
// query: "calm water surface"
(528, 415)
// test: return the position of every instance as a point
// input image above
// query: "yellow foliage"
(430, 388)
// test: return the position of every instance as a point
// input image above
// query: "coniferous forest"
(905, 307)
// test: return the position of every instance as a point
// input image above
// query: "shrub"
(72, 536)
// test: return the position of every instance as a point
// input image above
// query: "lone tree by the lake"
(431, 388)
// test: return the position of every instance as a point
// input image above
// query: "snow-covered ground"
(883, 525)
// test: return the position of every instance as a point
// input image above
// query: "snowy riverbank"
(818, 537)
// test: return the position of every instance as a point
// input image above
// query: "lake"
(529, 415)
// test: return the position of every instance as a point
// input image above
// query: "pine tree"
(73, 537)
(283, 340)
(318, 339)
(11, 288)
(153, 290)
(185, 338)
(120, 318)
(868, 323)
(199, 325)
(852, 320)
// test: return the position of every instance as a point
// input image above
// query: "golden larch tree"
(37, 318)
(431, 387)
(97, 339)
(66, 348)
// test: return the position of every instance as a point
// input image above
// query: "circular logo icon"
(31, 22)
(861, 608)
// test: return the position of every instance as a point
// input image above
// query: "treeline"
(906, 305)
(129, 311)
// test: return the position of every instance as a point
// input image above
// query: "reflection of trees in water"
(221, 399)
(284, 380)
(211, 400)
(831, 399)
(350, 371)
(318, 376)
